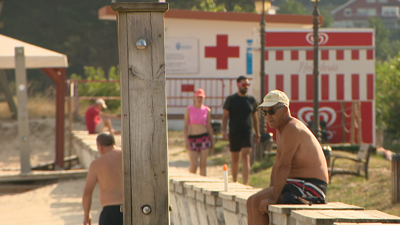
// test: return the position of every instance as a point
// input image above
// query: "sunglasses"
(243, 85)
(271, 111)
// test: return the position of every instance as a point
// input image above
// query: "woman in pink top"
(198, 132)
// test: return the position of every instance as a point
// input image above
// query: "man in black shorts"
(241, 111)
(300, 173)
(106, 170)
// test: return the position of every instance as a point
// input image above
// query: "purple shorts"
(199, 142)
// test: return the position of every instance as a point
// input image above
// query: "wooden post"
(359, 131)
(353, 125)
(23, 120)
(144, 119)
(344, 122)
(70, 116)
(395, 178)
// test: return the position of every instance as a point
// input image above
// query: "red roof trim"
(107, 13)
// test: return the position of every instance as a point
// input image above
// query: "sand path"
(58, 203)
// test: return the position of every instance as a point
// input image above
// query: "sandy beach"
(58, 203)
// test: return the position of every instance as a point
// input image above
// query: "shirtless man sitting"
(300, 173)
(107, 171)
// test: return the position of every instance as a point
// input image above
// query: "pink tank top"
(198, 115)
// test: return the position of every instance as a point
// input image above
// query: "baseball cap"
(105, 139)
(101, 102)
(274, 97)
(200, 92)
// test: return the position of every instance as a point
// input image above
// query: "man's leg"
(108, 125)
(245, 156)
(253, 203)
(193, 157)
(203, 162)
(235, 165)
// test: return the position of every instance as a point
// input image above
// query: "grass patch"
(267, 162)
(220, 160)
(219, 145)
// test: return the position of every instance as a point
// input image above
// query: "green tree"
(100, 89)
(384, 48)
(327, 18)
(210, 6)
(387, 97)
(292, 7)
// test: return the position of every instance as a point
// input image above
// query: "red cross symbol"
(222, 52)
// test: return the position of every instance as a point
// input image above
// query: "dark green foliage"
(385, 48)
(327, 18)
(292, 7)
(70, 27)
(387, 99)
(210, 6)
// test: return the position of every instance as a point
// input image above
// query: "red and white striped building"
(346, 66)
(210, 50)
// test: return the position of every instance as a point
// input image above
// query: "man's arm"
(290, 141)
(91, 181)
(277, 157)
(210, 131)
(256, 126)
(109, 116)
(225, 117)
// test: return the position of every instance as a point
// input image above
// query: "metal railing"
(180, 91)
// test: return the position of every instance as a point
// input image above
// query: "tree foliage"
(100, 89)
(387, 96)
(385, 49)
(327, 18)
(210, 6)
(292, 7)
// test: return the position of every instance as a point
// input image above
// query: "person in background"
(241, 111)
(198, 132)
(107, 171)
(300, 173)
(98, 121)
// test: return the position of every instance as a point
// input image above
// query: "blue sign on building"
(249, 58)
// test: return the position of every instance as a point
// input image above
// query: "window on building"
(362, 12)
(371, 1)
(390, 24)
(361, 23)
(390, 11)
(371, 12)
(347, 12)
(383, 1)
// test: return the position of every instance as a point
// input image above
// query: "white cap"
(274, 97)
(101, 102)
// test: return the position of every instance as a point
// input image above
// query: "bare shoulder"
(294, 125)
(95, 164)
(118, 150)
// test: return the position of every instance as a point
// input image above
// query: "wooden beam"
(58, 76)
(144, 122)
(23, 119)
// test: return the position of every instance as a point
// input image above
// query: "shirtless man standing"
(107, 171)
(300, 173)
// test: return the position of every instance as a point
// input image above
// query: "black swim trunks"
(111, 215)
(304, 191)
